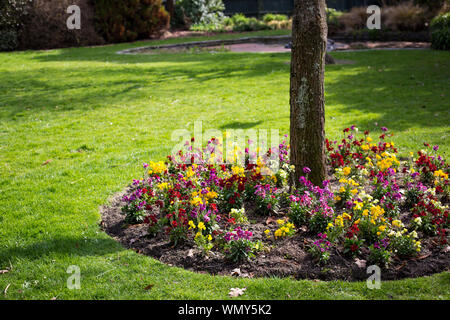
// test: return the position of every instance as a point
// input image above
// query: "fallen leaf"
(271, 220)
(149, 287)
(360, 263)
(401, 266)
(236, 292)
(54, 298)
(47, 162)
(446, 249)
(424, 256)
(6, 289)
(190, 253)
(236, 272)
(3, 271)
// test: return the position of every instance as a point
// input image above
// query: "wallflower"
(201, 226)
(157, 167)
(346, 171)
(197, 201)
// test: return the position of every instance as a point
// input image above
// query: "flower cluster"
(374, 206)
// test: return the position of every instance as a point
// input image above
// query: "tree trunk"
(307, 131)
(170, 6)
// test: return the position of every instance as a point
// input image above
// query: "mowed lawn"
(76, 125)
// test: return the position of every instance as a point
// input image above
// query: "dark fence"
(261, 7)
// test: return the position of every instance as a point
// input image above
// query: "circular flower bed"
(244, 219)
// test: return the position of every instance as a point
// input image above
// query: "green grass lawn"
(96, 116)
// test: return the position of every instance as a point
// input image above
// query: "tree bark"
(307, 101)
(170, 6)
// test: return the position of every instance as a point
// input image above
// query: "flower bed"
(375, 209)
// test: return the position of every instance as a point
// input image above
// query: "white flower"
(418, 221)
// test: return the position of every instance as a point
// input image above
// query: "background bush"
(440, 32)
(405, 17)
(45, 25)
(194, 12)
(12, 15)
(130, 20)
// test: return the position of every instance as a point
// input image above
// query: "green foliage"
(12, 16)
(129, 20)
(298, 214)
(440, 32)
(274, 17)
(318, 223)
(243, 23)
(379, 256)
(206, 12)
(8, 40)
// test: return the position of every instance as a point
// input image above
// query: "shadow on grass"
(62, 246)
(402, 89)
(240, 125)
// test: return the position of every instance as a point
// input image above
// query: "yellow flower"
(196, 201)
(157, 167)
(346, 171)
(163, 186)
(382, 228)
(354, 191)
(369, 139)
(189, 172)
(342, 189)
(358, 205)
(209, 237)
(238, 171)
(201, 226)
(397, 223)
(337, 198)
(347, 216)
(191, 225)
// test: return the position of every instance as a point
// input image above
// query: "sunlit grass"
(94, 116)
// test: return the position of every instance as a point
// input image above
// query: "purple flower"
(436, 148)
(384, 129)
(306, 170)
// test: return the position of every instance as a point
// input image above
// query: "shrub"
(274, 17)
(405, 17)
(355, 19)
(8, 40)
(12, 16)
(201, 11)
(48, 20)
(280, 25)
(440, 32)
(129, 20)
(242, 23)
(333, 20)
(430, 4)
